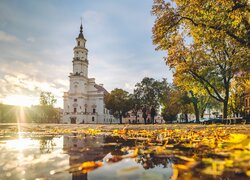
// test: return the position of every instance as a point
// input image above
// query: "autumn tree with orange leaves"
(206, 41)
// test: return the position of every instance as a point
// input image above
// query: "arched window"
(75, 88)
(78, 43)
(93, 118)
(94, 110)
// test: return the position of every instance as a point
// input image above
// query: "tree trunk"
(136, 116)
(202, 114)
(194, 100)
(120, 117)
(197, 113)
(225, 105)
(225, 102)
(186, 118)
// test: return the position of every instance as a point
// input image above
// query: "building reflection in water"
(82, 148)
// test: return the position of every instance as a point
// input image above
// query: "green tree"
(136, 103)
(119, 102)
(47, 99)
(48, 113)
(149, 92)
(175, 101)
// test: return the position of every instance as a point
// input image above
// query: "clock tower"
(84, 102)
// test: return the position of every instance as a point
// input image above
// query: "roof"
(101, 88)
(81, 34)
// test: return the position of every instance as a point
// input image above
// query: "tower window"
(75, 100)
(74, 110)
(93, 110)
(93, 118)
(78, 43)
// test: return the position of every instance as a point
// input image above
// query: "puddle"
(64, 154)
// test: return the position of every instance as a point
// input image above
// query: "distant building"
(131, 118)
(84, 102)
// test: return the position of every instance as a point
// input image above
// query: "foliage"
(48, 114)
(212, 58)
(136, 103)
(33, 114)
(47, 99)
(119, 102)
(236, 98)
(149, 91)
(175, 101)
(202, 19)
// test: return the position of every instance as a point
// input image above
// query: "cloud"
(4, 37)
(31, 39)
(39, 56)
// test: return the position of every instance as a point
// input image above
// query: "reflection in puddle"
(84, 148)
(32, 156)
(61, 153)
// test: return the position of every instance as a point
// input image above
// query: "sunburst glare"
(20, 100)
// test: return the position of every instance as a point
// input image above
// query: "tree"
(199, 98)
(47, 99)
(175, 101)
(212, 58)
(218, 18)
(136, 103)
(119, 102)
(212, 67)
(149, 92)
(236, 98)
(48, 113)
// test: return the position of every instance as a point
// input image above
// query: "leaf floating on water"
(175, 173)
(89, 166)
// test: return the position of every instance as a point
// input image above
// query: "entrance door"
(73, 120)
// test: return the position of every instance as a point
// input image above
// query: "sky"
(37, 40)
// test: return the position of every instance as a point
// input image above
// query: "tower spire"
(81, 34)
(81, 26)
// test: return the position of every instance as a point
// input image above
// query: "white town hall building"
(84, 102)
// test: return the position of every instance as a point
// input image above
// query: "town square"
(113, 89)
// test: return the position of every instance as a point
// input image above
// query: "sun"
(20, 100)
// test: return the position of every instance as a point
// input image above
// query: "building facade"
(84, 102)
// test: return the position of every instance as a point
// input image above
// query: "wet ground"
(124, 152)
